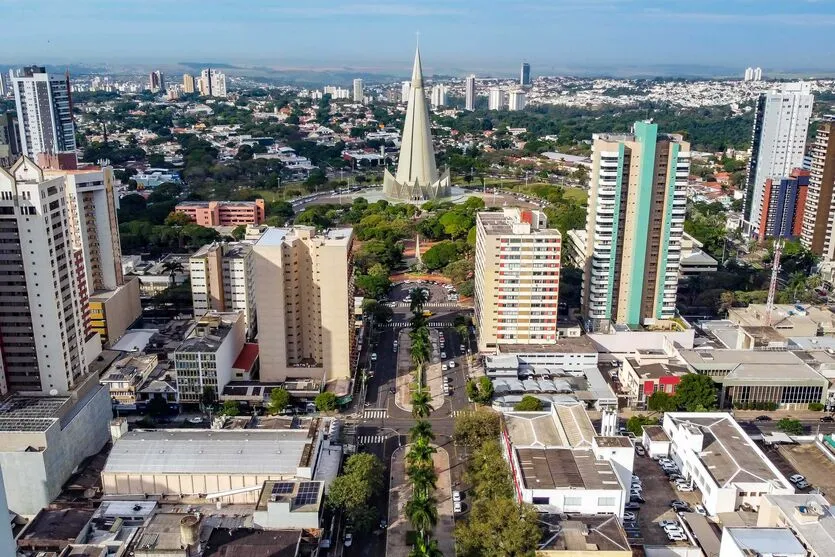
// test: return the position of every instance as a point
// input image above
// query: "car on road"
(444, 367)
(762, 418)
(828, 419)
(373, 356)
(196, 420)
(457, 507)
(700, 509)
(629, 516)
(462, 348)
(443, 355)
(451, 364)
(349, 539)
(795, 478)
(639, 449)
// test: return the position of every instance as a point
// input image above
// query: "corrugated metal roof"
(208, 451)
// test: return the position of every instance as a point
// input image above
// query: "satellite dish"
(53, 392)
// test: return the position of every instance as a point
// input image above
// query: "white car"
(349, 539)
(676, 536)
(456, 496)
(684, 487)
(462, 348)
(444, 367)
(443, 355)
(451, 364)
(666, 523)
(373, 356)
(456, 506)
(700, 509)
(796, 478)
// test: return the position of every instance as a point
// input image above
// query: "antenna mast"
(772, 286)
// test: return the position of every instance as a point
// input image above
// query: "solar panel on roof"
(307, 494)
(283, 488)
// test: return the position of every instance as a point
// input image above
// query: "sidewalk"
(399, 494)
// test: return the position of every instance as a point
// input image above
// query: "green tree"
(440, 255)
(230, 408)
(418, 299)
(659, 401)
(480, 391)
(380, 312)
(636, 424)
(325, 402)
(488, 472)
(209, 397)
(459, 271)
(422, 511)
(466, 288)
(425, 547)
(529, 404)
(422, 430)
(790, 426)
(695, 393)
(177, 219)
(279, 400)
(355, 489)
(498, 528)
(472, 429)
(239, 232)
(422, 477)
(421, 403)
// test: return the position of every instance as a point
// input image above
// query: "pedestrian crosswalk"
(375, 413)
(370, 439)
(456, 413)
(432, 324)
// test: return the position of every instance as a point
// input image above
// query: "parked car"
(700, 509)
(456, 496)
(828, 419)
(665, 523)
(629, 516)
(762, 418)
(349, 539)
(676, 536)
(640, 450)
(451, 364)
(680, 506)
(684, 487)
(444, 367)
(373, 356)
(443, 355)
(457, 507)
(462, 348)
(802, 484)
(632, 506)
(795, 478)
(636, 499)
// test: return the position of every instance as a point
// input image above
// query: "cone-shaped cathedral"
(417, 176)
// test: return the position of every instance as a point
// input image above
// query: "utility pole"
(772, 287)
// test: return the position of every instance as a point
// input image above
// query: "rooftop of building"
(51, 525)
(565, 425)
(277, 236)
(248, 451)
(613, 441)
(656, 433)
(135, 340)
(583, 533)
(572, 345)
(783, 315)
(231, 250)
(766, 541)
(501, 223)
(209, 332)
(301, 495)
(219, 203)
(728, 453)
(811, 516)
(565, 469)
(132, 369)
(657, 370)
(256, 390)
(246, 359)
(31, 413)
(162, 533)
(246, 542)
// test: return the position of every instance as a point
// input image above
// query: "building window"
(573, 501)
(541, 500)
(606, 501)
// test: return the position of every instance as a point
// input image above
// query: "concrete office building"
(223, 213)
(496, 99)
(516, 100)
(156, 82)
(304, 284)
(634, 227)
(417, 177)
(517, 275)
(112, 312)
(819, 213)
(469, 93)
(205, 359)
(778, 141)
(359, 94)
(716, 454)
(41, 318)
(808, 515)
(44, 112)
(783, 205)
(740, 541)
(188, 83)
(525, 74)
(223, 279)
(43, 439)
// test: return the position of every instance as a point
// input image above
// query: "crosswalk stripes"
(370, 439)
(458, 412)
(375, 414)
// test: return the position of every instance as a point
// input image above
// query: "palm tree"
(425, 547)
(421, 403)
(419, 297)
(423, 478)
(172, 267)
(422, 511)
(420, 455)
(421, 431)
(419, 350)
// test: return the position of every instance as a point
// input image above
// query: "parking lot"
(437, 292)
(807, 460)
(658, 492)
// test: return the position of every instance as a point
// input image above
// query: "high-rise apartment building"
(156, 82)
(819, 213)
(41, 322)
(304, 284)
(438, 96)
(405, 91)
(188, 83)
(469, 93)
(44, 112)
(634, 226)
(517, 100)
(222, 279)
(749, 74)
(783, 205)
(359, 93)
(525, 74)
(778, 141)
(758, 74)
(212, 83)
(8, 140)
(496, 99)
(517, 276)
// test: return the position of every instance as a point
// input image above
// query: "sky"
(456, 36)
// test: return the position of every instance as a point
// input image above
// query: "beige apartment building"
(517, 275)
(304, 285)
(223, 279)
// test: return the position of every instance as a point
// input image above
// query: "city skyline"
(553, 37)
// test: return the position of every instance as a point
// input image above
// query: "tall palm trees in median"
(421, 431)
(421, 403)
(422, 510)
(418, 298)
(425, 547)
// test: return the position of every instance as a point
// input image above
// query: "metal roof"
(208, 451)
